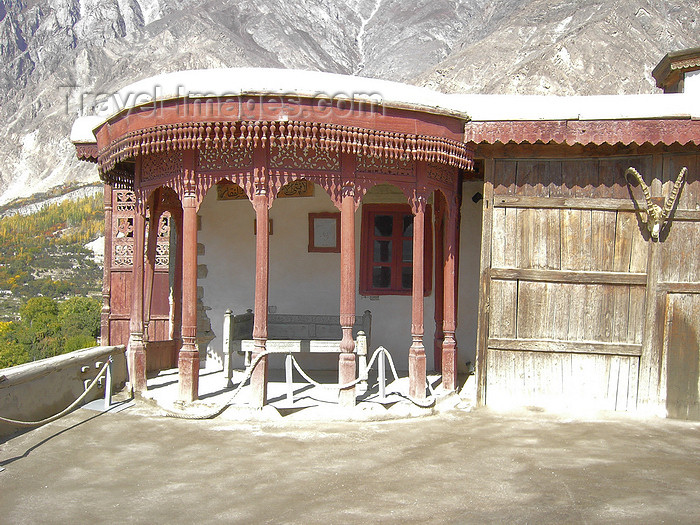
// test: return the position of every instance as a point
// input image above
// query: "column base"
(416, 372)
(449, 365)
(347, 368)
(137, 363)
(188, 376)
(258, 382)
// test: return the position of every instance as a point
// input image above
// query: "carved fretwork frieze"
(161, 165)
(86, 151)
(295, 135)
(304, 159)
(403, 167)
(118, 178)
(443, 175)
(224, 159)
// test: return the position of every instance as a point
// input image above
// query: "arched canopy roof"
(283, 108)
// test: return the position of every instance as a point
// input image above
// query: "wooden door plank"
(484, 281)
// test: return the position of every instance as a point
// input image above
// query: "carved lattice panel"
(304, 159)
(224, 159)
(163, 243)
(442, 174)
(124, 206)
(123, 255)
(163, 164)
(386, 166)
(125, 201)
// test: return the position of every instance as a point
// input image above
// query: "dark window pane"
(407, 255)
(383, 225)
(381, 277)
(408, 225)
(406, 277)
(382, 251)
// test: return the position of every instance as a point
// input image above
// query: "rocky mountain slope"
(58, 55)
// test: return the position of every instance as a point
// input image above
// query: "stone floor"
(453, 467)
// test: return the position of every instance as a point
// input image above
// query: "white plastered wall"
(469, 269)
(309, 283)
(691, 82)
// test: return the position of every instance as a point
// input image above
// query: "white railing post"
(381, 365)
(108, 385)
(228, 372)
(361, 349)
(288, 377)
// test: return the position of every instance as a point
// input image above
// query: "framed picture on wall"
(324, 232)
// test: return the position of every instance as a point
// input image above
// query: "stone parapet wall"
(34, 391)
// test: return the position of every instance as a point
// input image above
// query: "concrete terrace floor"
(453, 467)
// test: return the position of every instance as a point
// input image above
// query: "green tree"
(12, 353)
(80, 316)
(40, 328)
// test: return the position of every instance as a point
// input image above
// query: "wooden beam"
(564, 347)
(575, 203)
(667, 287)
(685, 215)
(568, 276)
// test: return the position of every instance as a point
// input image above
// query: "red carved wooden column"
(449, 345)
(347, 365)
(416, 355)
(153, 221)
(107, 273)
(176, 307)
(137, 348)
(439, 272)
(188, 359)
(261, 204)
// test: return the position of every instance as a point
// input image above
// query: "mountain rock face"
(59, 55)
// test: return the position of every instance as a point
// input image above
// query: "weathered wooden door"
(677, 295)
(573, 291)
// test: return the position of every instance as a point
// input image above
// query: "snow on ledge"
(82, 130)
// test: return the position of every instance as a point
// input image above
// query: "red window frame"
(398, 211)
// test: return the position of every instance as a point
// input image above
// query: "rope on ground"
(64, 411)
(423, 403)
(353, 382)
(223, 406)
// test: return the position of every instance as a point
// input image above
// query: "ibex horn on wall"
(656, 216)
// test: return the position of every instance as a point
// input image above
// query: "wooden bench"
(294, 333)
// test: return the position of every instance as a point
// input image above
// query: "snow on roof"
(234, 82)
(484, 108)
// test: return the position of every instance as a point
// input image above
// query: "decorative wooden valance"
(291, 134)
